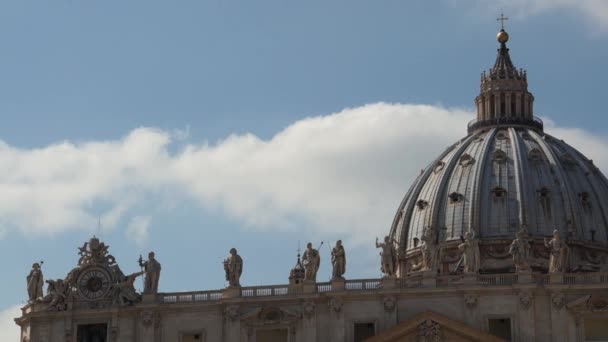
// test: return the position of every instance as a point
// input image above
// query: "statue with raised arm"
(124, 293)
(520, 250)
(338, 261)
(557, 249)
(388, 256)
(470, 253)
(35, 281)
(151, 269)
(57, 293)
(311, 260)
(233, 265)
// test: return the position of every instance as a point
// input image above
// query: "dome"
(505, 176)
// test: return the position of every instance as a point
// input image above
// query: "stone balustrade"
(410, 282)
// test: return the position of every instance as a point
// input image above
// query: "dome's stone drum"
(505, 176)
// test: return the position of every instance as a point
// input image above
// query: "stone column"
(526, 310)
(390, 312)
(559, 317)
(149, 324)
(232, 324)
(309, 321)
(487, 104)
(518, 110)
(508, 109)
(336, 314)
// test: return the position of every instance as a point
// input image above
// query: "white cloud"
(138, 230)
(343, 173)
(9, 331)
(594, 10)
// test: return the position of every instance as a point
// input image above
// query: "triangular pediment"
(430, 326)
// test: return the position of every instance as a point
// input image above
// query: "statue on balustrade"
(311, 260)
(35, 280)
(338, 261)
(470, 253)
(429, 249)
(233, 265)
(520, 250)
(388, 256)
(57, 293)
(124, 293)
(558, 253)
(151, 269)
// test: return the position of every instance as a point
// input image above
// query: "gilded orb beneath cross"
(502, 36)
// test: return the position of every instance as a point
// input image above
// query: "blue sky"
(197, 126)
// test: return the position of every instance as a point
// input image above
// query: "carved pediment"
(270, 316)
(431, 326)
(588, 304)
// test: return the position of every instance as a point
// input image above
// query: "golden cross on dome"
(502, 19)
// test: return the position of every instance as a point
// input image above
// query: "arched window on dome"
(535, 154)
(585, 199)
(422, 204)
(544, 197)
(499, 193)
(466, 160)
(499, 156)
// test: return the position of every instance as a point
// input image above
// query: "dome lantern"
(504, 97)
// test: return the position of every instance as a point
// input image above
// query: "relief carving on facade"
(470, 300)
(429, 331)
(150, 318)
(558, 299)
(526, 299)
(309, 308)
(586, 305)
(231, 313)
(335, 304)
(390, 303)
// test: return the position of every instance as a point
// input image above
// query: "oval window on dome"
(438, 166)
(568, 160)
(455, 197)
(466, 160)
(422, 204)
(499, 192)
(499, 156)
(535, 154)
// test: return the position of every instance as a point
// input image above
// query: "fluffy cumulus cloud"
(341, 173)
(9, 331)
(594, 10)
(137, 230)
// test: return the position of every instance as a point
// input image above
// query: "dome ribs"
(563, 186)
(520, 161)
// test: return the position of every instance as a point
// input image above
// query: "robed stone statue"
(312, 261)
(520, 250)
(338, 261)
(470, 253)
(233, 265)
(151, 269)
(35, 282)
(558, 253)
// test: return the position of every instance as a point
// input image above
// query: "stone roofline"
(416, 283)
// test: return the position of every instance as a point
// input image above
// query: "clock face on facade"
(94, 283)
